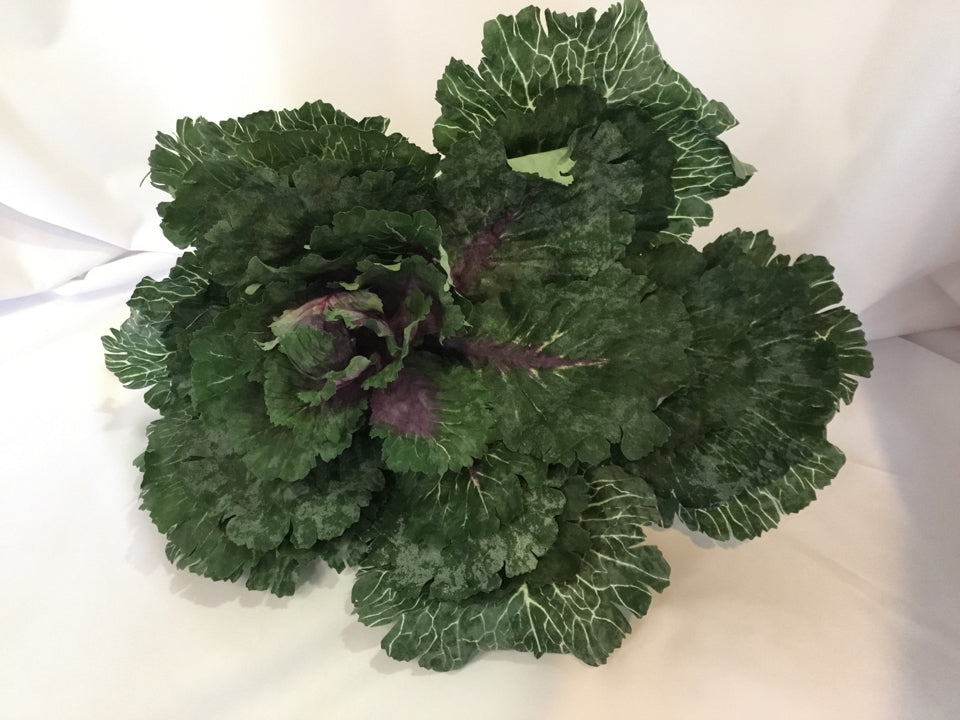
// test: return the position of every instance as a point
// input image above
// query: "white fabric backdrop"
(849, 109)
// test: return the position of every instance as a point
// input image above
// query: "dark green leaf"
(228, 363)
(221, 520)
(774, 357)
(199, 140)
(754, 511)
(579, 368)
(532, 52)
(433, 418)
(460, 532)
(140, 352)
(583, 616)
(280, 570)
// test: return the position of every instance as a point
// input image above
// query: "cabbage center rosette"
(349, 358)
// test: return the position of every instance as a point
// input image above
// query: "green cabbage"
(477, 376)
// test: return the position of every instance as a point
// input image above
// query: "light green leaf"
(553, 165)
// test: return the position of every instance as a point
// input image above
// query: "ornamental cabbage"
(476, 376)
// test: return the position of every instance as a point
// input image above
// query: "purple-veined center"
(353, 307)
(358, 341)
(409, 405)
(364, 343)
(508, 356)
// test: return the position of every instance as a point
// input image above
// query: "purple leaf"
(354, 308)
(408, 405)
(476, 256)
(506, 356)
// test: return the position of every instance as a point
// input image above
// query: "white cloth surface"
(851, 609)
